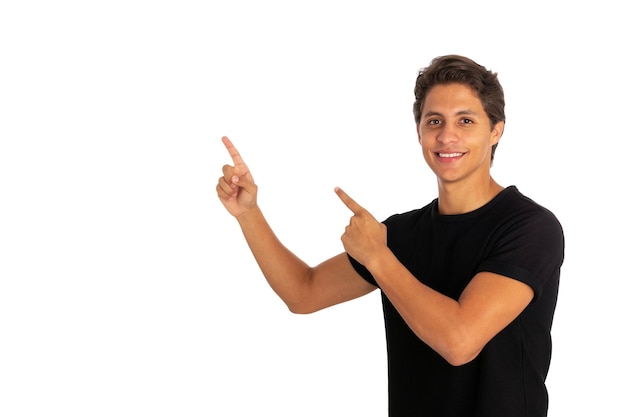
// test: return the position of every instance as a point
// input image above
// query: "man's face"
(456, 134)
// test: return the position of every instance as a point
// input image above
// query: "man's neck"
(459, 198)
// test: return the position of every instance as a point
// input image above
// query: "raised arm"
(457, 330)
(303, 289)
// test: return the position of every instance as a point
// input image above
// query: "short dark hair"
(449, 69)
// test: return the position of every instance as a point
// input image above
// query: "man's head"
(450, 69)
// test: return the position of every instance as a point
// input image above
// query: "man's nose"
(448, 134)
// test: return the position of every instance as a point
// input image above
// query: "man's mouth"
(449, 154)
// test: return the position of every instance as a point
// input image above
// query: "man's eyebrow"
(458, 113)
(466, 111)
(431, 113)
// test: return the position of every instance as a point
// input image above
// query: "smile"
(449, 155)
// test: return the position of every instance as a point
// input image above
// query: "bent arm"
(304, 289)
(457, 330)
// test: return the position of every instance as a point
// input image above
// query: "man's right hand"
(236, 188)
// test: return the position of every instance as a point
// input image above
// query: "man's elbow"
(301, 307)
(298, 309)
(460, 359)
(460, 353)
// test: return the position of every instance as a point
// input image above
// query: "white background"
(125, 287)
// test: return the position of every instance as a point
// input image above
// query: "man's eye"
(434, 122)
(466, 121)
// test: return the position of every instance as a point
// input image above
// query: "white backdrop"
(125, 287)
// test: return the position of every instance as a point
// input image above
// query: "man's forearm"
(285, 272)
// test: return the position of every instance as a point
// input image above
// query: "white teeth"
(450, 155)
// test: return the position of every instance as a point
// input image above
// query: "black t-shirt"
(511, 236)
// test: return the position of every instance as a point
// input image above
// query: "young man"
(468, 282)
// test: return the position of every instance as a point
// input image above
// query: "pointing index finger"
(348, 201)
(234, 153)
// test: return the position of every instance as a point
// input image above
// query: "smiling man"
(468, 282)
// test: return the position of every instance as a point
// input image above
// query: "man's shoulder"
(521, 204)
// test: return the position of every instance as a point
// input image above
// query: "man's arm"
(457, 330)
(302, 288)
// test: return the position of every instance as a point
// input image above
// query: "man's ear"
(496, 132)
(419, 136)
